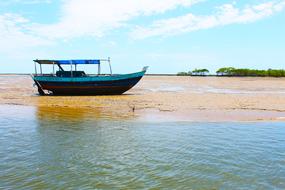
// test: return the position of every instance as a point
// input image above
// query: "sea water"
(52, 150)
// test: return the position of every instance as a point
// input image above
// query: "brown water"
(88, 148)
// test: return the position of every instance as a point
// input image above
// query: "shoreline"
(164, 75)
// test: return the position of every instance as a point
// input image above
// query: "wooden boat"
(75, 82)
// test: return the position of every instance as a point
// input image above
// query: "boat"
(74, 82)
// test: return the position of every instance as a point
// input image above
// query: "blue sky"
(167, 35)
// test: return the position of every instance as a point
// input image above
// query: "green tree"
(230, 71)
(200, 72)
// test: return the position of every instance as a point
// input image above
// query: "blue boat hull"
(96, 85)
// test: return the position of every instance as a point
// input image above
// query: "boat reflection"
(91, 142)
(79, 115)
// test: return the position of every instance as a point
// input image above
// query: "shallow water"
(42, 148)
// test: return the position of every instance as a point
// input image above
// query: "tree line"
(196, 72)
(231, 71)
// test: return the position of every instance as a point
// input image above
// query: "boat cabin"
(73, 72)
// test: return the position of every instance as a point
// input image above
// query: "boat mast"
(99, 68)
(35, 67)
(53, 68)
(71, 68)
(109, 61)
(41, 69)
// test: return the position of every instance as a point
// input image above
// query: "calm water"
(42, 149)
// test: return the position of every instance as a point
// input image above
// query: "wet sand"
(165, 98)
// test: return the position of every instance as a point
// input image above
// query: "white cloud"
(81, 18)
(14, 33)
(96, 17)
(226, 14)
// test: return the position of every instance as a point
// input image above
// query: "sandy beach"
(164, 98)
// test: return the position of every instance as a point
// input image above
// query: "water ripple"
(54, 153)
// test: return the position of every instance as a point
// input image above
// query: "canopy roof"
(68, 62)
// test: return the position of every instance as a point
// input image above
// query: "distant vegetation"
(231, 71)
(200, 72)
(196, 72)
(184, 74)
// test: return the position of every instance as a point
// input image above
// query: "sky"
(169, 36)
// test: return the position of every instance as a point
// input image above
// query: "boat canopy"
(72, 62)
(68, 62)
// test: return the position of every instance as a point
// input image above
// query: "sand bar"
(165, 98)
